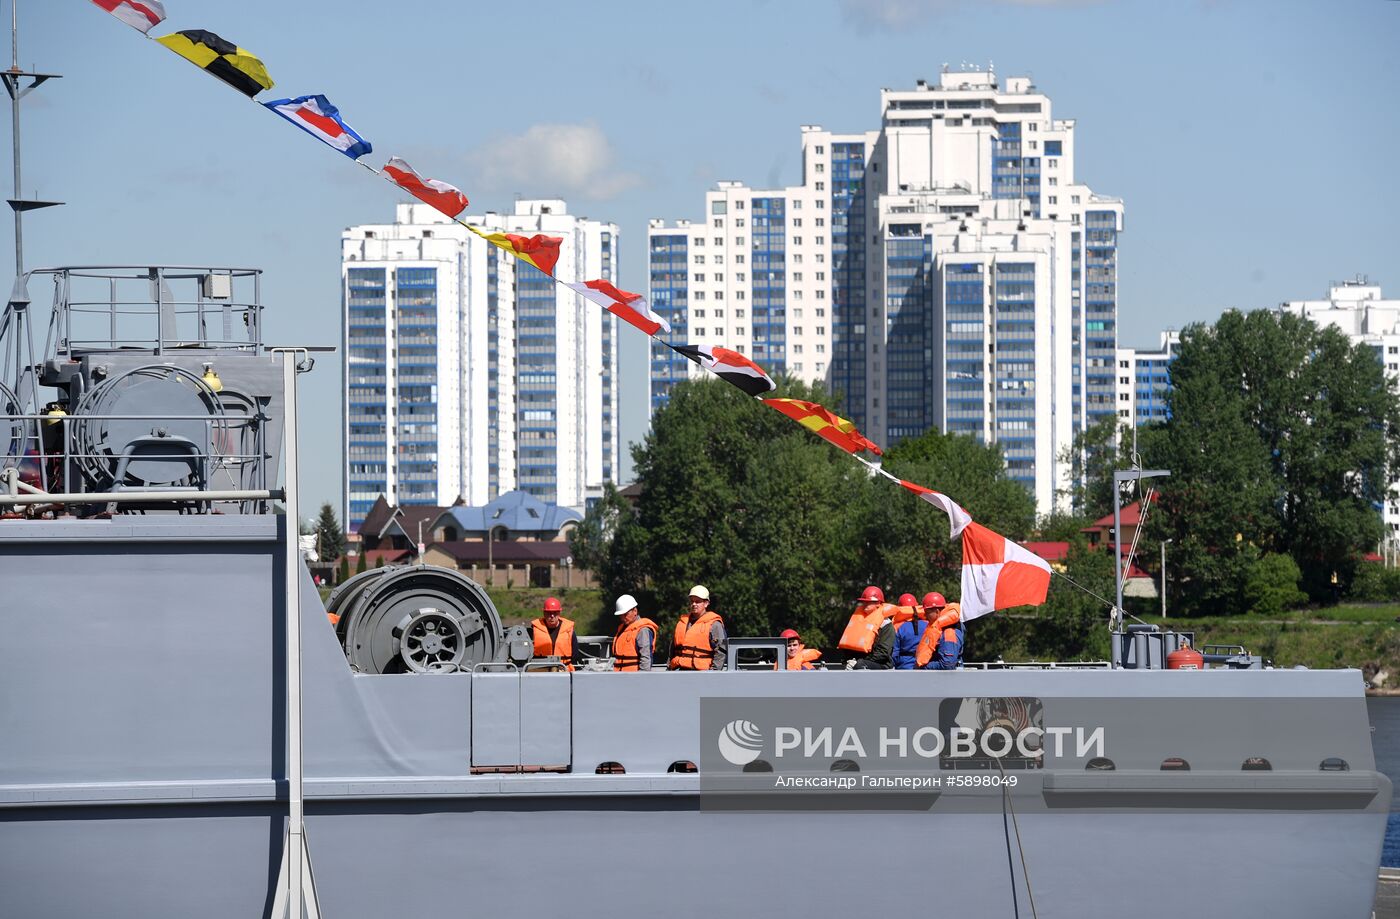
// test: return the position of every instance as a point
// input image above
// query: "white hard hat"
(701, 591)
(625, 604)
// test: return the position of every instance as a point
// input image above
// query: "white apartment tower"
(948, 270)
(469, 373)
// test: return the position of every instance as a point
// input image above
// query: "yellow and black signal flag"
(225, 60)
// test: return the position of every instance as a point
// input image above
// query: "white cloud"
(568, 160)
(895, 14)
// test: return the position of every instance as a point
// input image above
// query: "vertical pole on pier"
(295, 887)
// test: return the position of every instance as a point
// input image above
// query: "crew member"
(554, 635)
(941, 647)
(870, 633)
(907, 635)
(799, 657)
(635, 638)
(700, 642)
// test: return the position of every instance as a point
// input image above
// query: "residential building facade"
(1144, 380)
(948, 271)
(468, 373)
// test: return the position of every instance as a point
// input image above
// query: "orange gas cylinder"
(1185, 658)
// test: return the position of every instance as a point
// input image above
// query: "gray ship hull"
(143, 771)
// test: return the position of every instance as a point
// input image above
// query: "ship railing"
(60, 455)
(154, 308)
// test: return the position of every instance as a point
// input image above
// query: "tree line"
(1281, 442)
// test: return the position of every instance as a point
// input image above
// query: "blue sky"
(1253, 143)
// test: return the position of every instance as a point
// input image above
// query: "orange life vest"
(562, 646)
(803, 659)
(691, 648)
(624, 648)
(859, 635)
(334, 618)
(943, 628)
(903, 614)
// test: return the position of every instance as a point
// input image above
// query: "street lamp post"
(1164, 577)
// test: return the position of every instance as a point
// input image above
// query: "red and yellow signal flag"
(826, 424)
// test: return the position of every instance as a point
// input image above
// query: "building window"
(738, 221)
(700, 332)
(739, 240)
(739, 295)
(797, 221)
(821, 167)
(821, 221)
(738, 205)
(739, 259)
(699, 259)
(1052, 163)
(1054, 148)
(1053, 200)
(699, 279)
(698, 295)
(719, 224)
(717, 207)
(797, 277)
(821, 150)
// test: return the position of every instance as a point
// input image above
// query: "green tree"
(1272, 586)
(1282, 439)
(329, 537)
(361, 564)
(343, 572)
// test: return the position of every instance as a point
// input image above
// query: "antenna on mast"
(15, 79)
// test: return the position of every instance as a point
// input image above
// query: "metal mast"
(14, 80)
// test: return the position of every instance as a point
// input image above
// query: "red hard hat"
(551, 605)
(872, 594)
(907, 600)
(934, 600)
(789, 633)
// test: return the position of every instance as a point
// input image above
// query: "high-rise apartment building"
(469, 373)
(1144, 381)
(948, 270)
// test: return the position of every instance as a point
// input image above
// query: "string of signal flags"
(997, 573)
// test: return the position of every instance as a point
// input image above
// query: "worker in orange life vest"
(700, 642)
(799, 657)
(941, 647)
(553, 634)
(907, 635)
(635, 638)
(870, 633)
